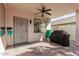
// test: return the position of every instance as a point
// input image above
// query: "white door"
(20, 32)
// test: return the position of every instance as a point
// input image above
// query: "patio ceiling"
(31, 8)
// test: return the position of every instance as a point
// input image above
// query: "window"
(40, 25)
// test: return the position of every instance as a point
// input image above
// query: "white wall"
(69, 28)
(2, 15)
(2, 45)
(66, 20)
(77, 28)
(9, 23)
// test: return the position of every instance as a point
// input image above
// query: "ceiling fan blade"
(39, 9)
(48, 10)
(48, 13)
(42, 14)
(37, 13)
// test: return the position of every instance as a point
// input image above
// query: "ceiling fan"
(43, 11)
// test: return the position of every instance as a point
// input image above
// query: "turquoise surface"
(2, 33)
(48, 33)
(10, 32)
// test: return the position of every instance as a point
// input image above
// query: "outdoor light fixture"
(9, 31)
(30, 21)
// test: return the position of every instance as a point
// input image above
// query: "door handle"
(25, 30)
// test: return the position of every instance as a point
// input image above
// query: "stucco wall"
(2, 15)
(2, 45)
(9, 23)
(66, 20)
(77, 27)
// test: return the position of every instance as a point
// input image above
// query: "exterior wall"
(9, 23)
(2, 16)
(2, 44)
(67, 20)
(77, 28)
(69, 28)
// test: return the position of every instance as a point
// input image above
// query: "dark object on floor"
(61, 37)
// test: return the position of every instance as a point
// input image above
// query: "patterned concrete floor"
(42, 49)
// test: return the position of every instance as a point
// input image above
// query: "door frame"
(14, 29)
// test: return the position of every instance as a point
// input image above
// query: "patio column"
(77, 27)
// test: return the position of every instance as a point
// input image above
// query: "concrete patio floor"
(41, 49)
